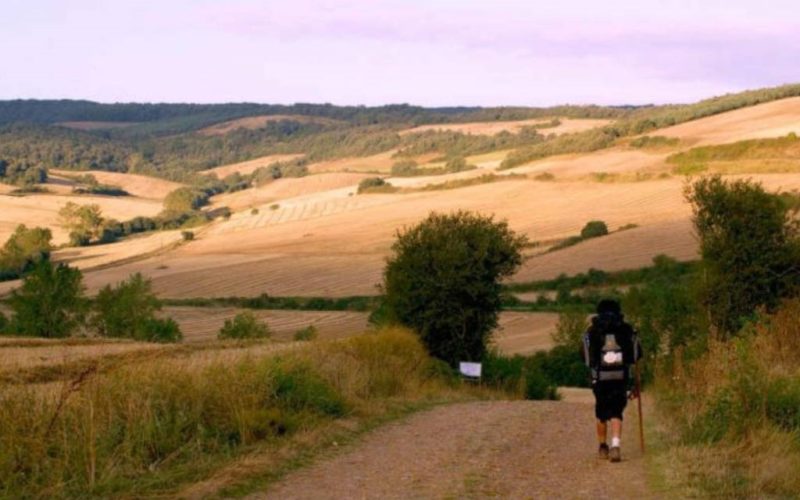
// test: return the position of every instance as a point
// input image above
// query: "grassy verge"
(778, 155)
(152, 428)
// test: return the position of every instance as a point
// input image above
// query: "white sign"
(470, 369)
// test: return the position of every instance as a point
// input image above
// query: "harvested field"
(567, 126)
(281, 189)
(16, 357)
(141, 186)
(203, 323)
(381, 162)
(256, 122)
(772, 119)
(525, 333)
(249, 166)
(611, 161)
(42, 210)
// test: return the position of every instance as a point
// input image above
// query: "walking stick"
(639, 404)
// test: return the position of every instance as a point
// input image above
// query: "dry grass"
(141, 186)
(381, 162)
(282, 189)
(773, 119)
(202, 324)
(42, 210)
(148, 428)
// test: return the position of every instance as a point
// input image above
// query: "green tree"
(443, 281)
(50, 302)
(126, 310)
(84, 222)
(244, 326)
(593, 229)
(185, 199)
(24, 248)
(571, 326)
(749, 249)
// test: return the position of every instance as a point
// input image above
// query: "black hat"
(609, 306)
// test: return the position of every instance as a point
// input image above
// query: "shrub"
(654, 141)
(187, 235)
(274, 206)
(593, 229)
(160, 330)
(432, 283)
(308, 333)
(371, 184)
(545, 176)
(50, 302)
(127, 310)
(254, 211)
(518, 375)
(85, 222)
(244, 326)
(3, 323)
(458, 164)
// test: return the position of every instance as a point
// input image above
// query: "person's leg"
(616, 431)
(602, 431)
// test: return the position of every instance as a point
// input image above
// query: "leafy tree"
(749, 249)
(84, 222)
(244, 326)
(50, 302)
(443, 281)
(593, 229)
(185, 199)
(126, 310)
(24, 248)
(457, 164)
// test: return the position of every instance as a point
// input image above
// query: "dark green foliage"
(85, 222)
(443, 281)
(127, 310)
(187, 235)
(161, 330)
(244, 326)
(568, 242)
(23, 250)
(22, 173)
(518, 375)
(264, 301)
(665, 309)
(50, 302)
(458, 164)
(580, 142)
(185, 199)
(371, 184)
(749, 249)
(299, 387)
(3, 323)
(593, 229)
(783, 403)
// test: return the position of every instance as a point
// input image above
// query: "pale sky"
(426, 52)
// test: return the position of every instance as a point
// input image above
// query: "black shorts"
(610, 400)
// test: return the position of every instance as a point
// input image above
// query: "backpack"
(610, 347)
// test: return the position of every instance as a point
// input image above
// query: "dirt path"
(508, 449)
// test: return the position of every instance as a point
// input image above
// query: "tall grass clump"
(145, 429)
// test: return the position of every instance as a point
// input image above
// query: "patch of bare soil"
(507, 449)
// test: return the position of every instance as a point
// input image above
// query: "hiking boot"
(614, 454)
(603, 451)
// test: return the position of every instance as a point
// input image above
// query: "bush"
(3, 323)
(545, 176)
(593, 229)
(160, 330)
(458, 164)
(443, 281)
(127, 310)
(518, 375)
(254, 211)
(187, 235)
(570, 328)
(85, 222)
(24, 249)
(50, 302)
(244, 326)
(371, 184)
(305, 334)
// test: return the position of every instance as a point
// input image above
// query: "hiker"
(610, 348)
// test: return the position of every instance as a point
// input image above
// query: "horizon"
(358, 53)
